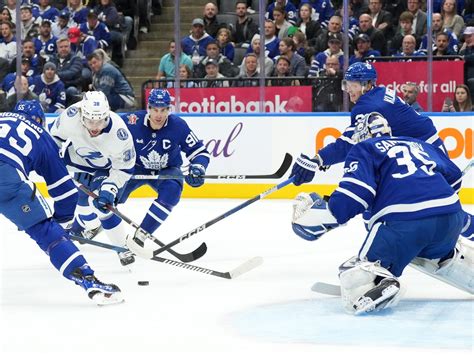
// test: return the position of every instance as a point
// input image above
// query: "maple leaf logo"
(155, 161)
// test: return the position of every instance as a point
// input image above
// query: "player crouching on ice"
(26, 147)
(418, 225)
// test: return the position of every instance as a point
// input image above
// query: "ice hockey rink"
(270, 310)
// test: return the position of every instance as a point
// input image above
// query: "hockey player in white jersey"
(418, 225)
(97, 145)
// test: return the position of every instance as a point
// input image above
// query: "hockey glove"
(84, 178)
(304, 168)
(107, 195)
(194, 178)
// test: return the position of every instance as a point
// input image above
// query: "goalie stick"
(326, 289)
(285, 165)
(194, 255)
(236, 272)
(222, 216)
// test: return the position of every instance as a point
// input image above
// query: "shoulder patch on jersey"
(122, 134)
(71, 111)
(132, 118)
(353, 166)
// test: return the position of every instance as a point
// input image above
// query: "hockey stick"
(326, 289)
(239, 270)
(194, 255)
(468, 167)
(285, 165)
(276, 175)
(222, 216)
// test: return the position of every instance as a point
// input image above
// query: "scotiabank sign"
(278, 99)
(446, 75)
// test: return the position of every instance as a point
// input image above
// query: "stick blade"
(284, 166)
(326, 289)
(246, 267)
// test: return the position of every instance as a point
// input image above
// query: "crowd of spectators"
(308, 33)
(59, 41)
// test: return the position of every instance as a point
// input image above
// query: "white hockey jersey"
(110, 151)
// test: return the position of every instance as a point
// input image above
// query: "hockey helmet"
(371, 125)
(94, 107)
(360, 72)
(31, 109)
(159, 98)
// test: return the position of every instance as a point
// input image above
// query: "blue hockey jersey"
(51, 95)
(396, 178)
(26, 146)
(160, 149)
(290, 8)
(48, 46)
(402, 118)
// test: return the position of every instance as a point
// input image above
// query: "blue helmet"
(360, 72)
(159, 98)
(31, 109)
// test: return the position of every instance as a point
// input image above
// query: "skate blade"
(107, 299)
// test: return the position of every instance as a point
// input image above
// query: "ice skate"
(85, 233)
(126, 257)
(379, 297)
(101, 293)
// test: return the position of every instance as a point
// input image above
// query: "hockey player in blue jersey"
(25, 147)
(419, 226)
(360, 83)
(159, 138)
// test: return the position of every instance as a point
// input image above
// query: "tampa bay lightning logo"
(93, 158)
(122, 134)
(71, 111)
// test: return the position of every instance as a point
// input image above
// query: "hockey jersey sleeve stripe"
(360, 183)
(347, 139)
(64, 195)
(414, 207)
(353, 196)
(59, 182)
(200, 151)
(432, 139)
(13, 157)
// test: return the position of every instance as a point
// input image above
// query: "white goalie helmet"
(95, 109)
(371, 125)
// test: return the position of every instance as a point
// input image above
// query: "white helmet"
(371, 125)
(95, 107)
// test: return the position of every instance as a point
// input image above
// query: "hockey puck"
(143, 283)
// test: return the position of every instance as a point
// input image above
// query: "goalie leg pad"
(458, 271)
(360, 291)
(311, 216)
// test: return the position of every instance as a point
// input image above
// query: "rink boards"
(257, 143)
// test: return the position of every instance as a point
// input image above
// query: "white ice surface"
(270, 310)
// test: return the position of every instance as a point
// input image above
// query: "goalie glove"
(311, 216)
(304, 169)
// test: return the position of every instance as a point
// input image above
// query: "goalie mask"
(371, 125)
